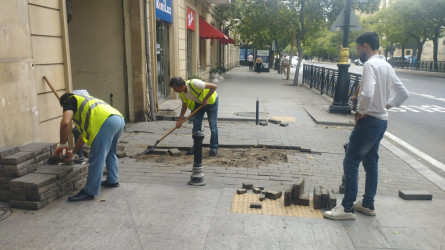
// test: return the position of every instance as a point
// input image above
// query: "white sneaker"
(338, 213)
(358, 206)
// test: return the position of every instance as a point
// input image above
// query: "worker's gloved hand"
(63, 149)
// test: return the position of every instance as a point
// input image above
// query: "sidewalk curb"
(224, 119)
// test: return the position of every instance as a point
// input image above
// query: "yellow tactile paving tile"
(284, 118)
(241, 204)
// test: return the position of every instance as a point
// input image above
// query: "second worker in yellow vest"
(194, 93)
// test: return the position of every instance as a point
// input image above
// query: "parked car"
(294, 61)
(358, 62)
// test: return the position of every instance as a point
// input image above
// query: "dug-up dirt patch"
(227, 157)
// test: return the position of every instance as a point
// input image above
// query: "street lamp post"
(197, 178)
(340, 103)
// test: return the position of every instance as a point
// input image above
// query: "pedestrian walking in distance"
(258, 64)
(380, 90)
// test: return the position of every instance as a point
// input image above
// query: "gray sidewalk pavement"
(154, 208)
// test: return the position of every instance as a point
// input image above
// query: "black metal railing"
(324, 79)
(438, 66)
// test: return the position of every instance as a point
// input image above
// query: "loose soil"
(227, 157)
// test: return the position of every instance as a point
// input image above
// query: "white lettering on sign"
(162, 5)
(190, 18)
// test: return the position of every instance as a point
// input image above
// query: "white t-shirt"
(198, 85)
(250, 58)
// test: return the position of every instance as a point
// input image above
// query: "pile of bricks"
(25, 180)
(296, 195)
(19, 161)
(324, 199)
(50, 182)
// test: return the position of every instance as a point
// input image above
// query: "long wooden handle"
(51, 86)
(188, 117)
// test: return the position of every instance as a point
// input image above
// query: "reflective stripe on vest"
(89, 124)
(199, 95)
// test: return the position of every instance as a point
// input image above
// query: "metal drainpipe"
(147, 63)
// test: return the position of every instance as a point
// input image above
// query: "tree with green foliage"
(412, 19)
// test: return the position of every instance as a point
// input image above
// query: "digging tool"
(70, 140)
(173, 129)
(51, 86)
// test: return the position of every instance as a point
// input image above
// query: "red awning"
(207, 31)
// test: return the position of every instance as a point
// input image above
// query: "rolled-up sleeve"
(400, 93)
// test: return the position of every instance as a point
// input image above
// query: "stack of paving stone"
(296, 195)
(43, 186)
(25, 180)
(324, 199)
(19, 161)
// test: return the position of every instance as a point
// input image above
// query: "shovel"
(173, 129)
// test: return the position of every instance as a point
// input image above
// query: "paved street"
(419, 121)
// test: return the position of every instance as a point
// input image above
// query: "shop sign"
(190, 19)
(164, 10)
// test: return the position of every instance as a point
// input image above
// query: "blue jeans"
(103, 150)
(363, 146)
(212, 116)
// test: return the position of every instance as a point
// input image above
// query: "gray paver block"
(241, 191)
(14, 159)
(263, 123)
(297, 190)
(332, 200)
(59, 171)
(45, 196)
(248, 186)
(317, 197)
(256, 191)
(18, 167)
(42, 157)
(273, 194)
(174, 152)
(159, 151)
(415, 195)
(288, 197)
(324, 197)
(256, 205)
(6, 151)
(274, 121)
(262, 197)
(303, 200)
(284, 124)
(33, 180)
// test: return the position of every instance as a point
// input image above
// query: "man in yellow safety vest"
(194, 93)
(100, 126)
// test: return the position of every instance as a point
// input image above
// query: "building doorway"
(163, 58)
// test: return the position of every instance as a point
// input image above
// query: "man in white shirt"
(194, 93)
(250, 59)
(380, 89)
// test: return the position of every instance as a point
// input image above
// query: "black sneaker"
(81, 196)
(109, 185)
(213, 152)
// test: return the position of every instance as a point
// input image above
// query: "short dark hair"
(176, 82)
(64, 98)
(371, 38)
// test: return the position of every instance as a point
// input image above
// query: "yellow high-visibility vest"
(200, 95)
(90, 115)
